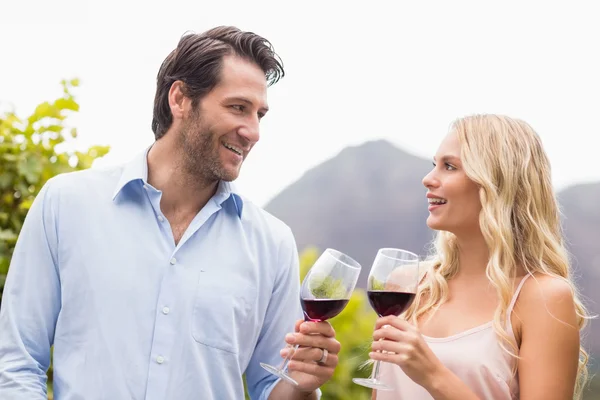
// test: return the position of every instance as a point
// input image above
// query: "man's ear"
(178, 101)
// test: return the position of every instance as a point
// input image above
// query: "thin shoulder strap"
(516, 295)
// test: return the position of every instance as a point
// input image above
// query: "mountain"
(365, 198)
(581, 223)
(371, 196)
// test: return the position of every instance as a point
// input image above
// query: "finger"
(310, 354)
(390, 333)
(323, 342)
(297, 326)
(315, 340)
(323, 328)
(289, 350)
(394, 321)
(311, 368)
(302, 353)
(393, 347)
(388, 357)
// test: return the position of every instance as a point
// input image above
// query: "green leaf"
(29, 130)
(31, 168)
(10, 157)
(67, 104)
(8, 122)
(45, 110)
(52, 128)
(98, 151)
(6, 179)
(26, 204)
(17, 221)
(7, 200)
(7, 235)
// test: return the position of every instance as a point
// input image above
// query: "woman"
(497, 315)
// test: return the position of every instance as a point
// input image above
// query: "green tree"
(30, 154)
(33, 150)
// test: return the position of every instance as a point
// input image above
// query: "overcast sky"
(374, 69)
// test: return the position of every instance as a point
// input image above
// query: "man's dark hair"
(197, 62)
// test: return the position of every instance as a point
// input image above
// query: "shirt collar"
(137, 170)
(227, 190)
(134, 170)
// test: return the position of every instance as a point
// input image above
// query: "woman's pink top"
(475, 356)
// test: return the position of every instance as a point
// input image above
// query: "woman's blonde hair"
(520, 220)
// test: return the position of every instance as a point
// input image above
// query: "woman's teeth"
(437, 201)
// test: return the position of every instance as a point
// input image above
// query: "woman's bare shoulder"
(545, 296)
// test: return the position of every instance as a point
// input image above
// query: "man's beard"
(200, 158)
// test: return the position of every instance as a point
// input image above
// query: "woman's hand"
(397, 341)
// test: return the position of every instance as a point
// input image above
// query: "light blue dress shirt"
(131, 315)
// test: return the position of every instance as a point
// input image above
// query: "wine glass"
(391, 288)
(326, 289)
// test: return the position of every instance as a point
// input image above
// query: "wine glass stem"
(375, 376)
(285, 362)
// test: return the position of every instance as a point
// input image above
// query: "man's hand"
(315, 360)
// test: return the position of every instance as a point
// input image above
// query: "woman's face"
(454, 203)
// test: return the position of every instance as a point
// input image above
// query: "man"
(157, 280)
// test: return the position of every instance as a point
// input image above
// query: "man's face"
(217, 136)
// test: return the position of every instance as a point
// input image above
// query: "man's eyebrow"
(247, 101)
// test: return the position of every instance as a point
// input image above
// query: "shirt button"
(173, 261)
(165, 310)
(160, 218)
(160, 359)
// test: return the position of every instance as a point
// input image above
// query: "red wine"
(322, 309)
(389, 303)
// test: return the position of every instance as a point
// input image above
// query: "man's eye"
(238, 107)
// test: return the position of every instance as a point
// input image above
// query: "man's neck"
(181, 193)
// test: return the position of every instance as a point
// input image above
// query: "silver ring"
(323, 358)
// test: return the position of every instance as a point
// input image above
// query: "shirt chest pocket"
(221, 312)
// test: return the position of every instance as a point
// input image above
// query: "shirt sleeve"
(282, 313)
(30, 305)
